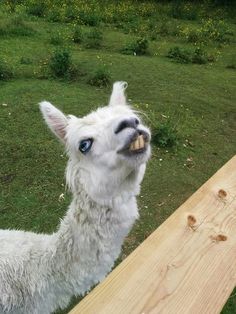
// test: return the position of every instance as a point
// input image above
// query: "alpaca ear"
(118, 94)
(55, 119)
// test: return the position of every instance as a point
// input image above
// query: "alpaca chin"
(108, 186)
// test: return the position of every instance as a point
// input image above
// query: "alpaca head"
(108, 149)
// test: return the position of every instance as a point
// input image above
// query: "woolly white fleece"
(39, 273)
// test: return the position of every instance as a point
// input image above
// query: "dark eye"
(85, 145)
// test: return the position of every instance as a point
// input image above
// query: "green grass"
(197, 100)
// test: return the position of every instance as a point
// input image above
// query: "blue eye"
(85, 145)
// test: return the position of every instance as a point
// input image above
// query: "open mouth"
(137, 144)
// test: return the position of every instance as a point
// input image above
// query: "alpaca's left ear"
(118, 94)
(55, 119)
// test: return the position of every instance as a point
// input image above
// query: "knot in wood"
(222, 193)
(191, 220)
(219, 238)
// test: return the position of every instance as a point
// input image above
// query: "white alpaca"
(108, 150)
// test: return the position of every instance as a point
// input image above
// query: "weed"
(37, 8)
(141, 46)
(78, 35)
(138, 47)
(71, 13)
(197, 56)
(93, 38)
(6, 72)
(180, 55)
(89, 18)
(60, 63)
(215, 31)
(54, 15)
(100, 78)
(210, 30)
(165, 135)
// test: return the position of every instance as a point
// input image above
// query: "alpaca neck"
(89, 238)
(87, 221)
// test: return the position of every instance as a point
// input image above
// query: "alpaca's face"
(109, 146)
(108, 137)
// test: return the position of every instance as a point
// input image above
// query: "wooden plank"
(188, 265)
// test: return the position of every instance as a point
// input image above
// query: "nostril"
(127, 123)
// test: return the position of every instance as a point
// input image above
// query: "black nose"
(127, 123)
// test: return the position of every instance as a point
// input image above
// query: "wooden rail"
(188, 265)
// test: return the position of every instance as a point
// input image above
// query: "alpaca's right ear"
(55, 119)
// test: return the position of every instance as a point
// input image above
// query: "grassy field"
(180, 63)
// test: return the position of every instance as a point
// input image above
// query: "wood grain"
(188, 265)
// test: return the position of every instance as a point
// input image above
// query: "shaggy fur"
(40, 273)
